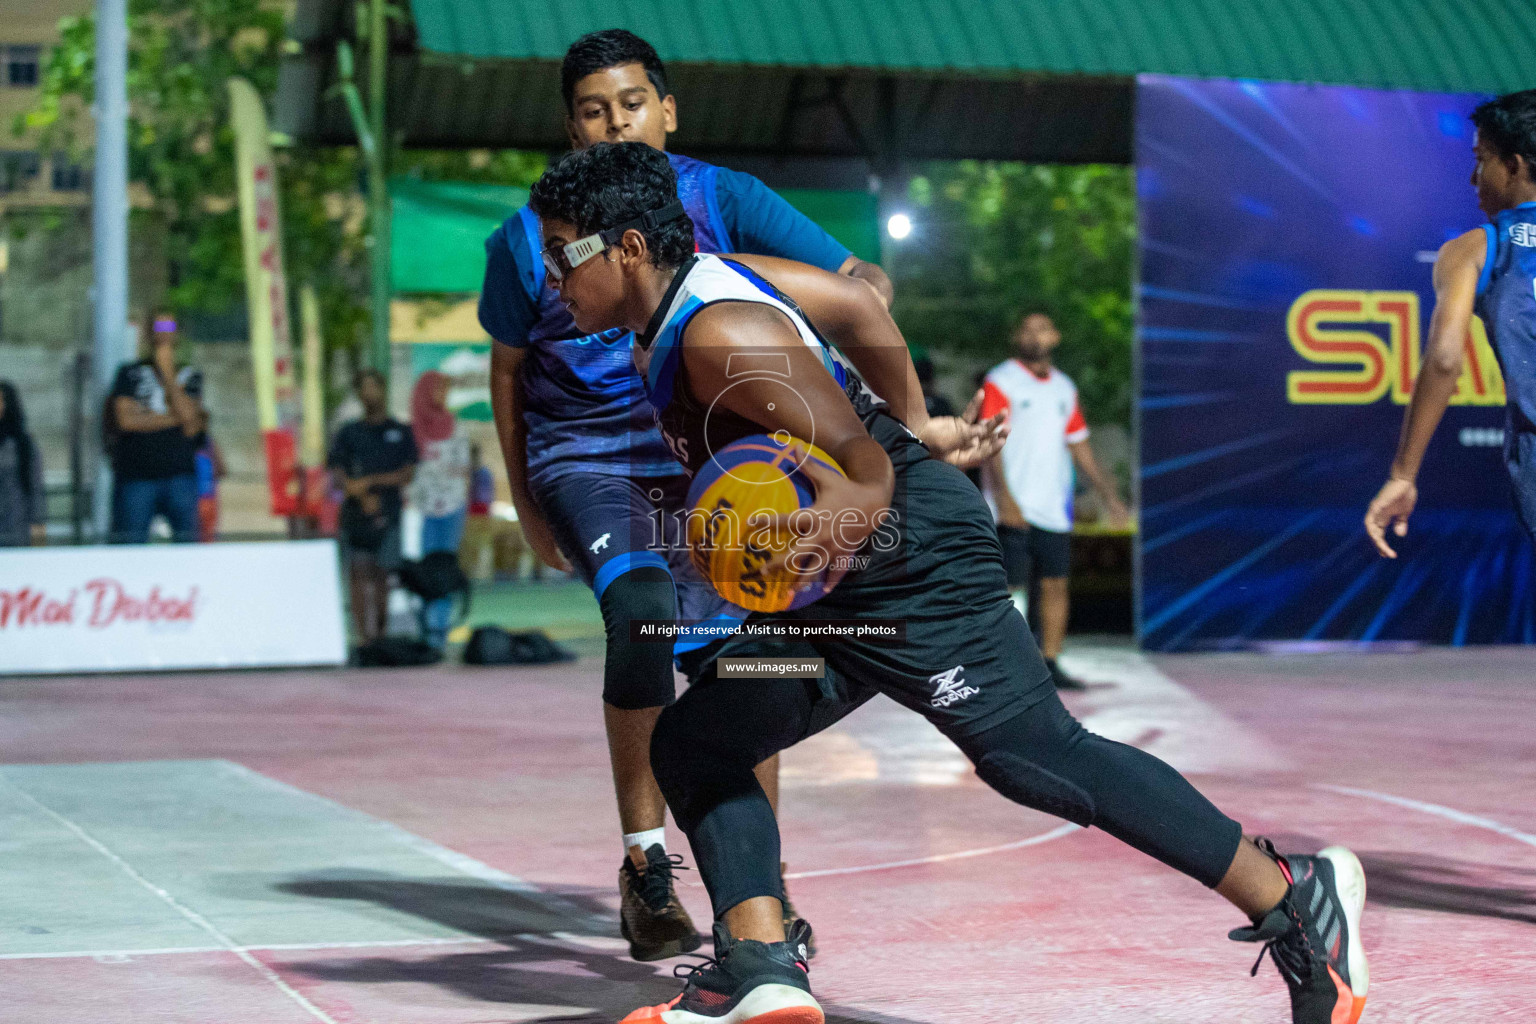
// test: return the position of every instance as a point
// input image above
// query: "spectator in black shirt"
(21, 475)
(372, 460)
(156, 426)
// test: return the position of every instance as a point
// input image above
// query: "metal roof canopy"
(816, 85)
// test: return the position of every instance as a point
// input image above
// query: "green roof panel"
(1432, 45)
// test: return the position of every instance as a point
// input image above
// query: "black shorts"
(968, 661)
(1034, 553)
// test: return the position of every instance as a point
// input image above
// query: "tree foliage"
(181, 53)
(997, 240)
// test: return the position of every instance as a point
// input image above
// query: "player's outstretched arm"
(854, 318)
(727, 336)
(1456, 272)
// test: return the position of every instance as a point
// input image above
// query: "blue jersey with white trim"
(690, 428)
(1506, 302)
(584, 406)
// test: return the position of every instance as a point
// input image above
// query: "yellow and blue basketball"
(744, 484)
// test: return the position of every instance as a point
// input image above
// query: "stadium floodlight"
(899, 226)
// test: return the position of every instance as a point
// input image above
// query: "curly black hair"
(605, 185)
(609, 48)
(1508, 124)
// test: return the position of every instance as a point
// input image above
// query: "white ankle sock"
(647, 839)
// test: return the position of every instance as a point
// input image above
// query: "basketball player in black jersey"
(623, 258)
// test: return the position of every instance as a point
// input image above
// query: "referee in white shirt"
(1029, 484)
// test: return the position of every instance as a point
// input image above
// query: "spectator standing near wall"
(22, 500)
(1029, 484)
(154, 425)
(441, 487)
(372, 460)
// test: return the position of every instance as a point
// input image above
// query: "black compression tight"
(706, 744)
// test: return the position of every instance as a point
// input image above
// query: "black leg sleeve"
(702, 753)
(1044, 759)
(638, 675)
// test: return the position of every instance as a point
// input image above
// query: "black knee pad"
(1027, 783)
(638, 674)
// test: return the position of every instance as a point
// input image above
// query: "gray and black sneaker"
(791, 916)
(745, 982)
(650, 916)
(1313, 935)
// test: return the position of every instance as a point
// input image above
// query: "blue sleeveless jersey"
(1506, 302)
(584, 405)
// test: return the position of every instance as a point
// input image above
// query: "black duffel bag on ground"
(492, 645)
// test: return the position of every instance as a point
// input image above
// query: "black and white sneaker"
(745, 982)
(1313, 935)
(791, 916)
(1060, 677)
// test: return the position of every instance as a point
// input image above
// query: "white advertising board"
(170, 606)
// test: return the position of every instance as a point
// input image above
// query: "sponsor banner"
(1288, 234)
(164, 606)
(266, 292)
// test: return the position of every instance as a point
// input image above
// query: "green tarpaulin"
(438, 228)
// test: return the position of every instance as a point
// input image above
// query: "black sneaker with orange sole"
(650, 916)
(745, 982)
(1313, 935)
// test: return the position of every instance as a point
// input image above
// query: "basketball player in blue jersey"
(586, 464)
(1490, 271)
(623, 255)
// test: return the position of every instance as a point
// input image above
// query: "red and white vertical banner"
(266, 289)
(170, 606)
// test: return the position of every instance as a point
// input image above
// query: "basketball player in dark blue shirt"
(1490, 271)
(586, 463)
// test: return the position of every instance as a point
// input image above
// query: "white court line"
(187, 912)
(267, 948)
(558, 940)
(939, 858)
(1449, 813)
(460, 862)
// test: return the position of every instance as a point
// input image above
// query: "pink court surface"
(439, 846)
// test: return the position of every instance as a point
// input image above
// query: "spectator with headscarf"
(441, 488)
(21, 475)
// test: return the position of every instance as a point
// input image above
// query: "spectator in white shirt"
(1029, 484)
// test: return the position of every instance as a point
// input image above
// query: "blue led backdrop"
(1287, 238)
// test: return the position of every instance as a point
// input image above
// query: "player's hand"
(826, 537)
(536, 533)
(965, 440)
(370, 504)
(1391, 507)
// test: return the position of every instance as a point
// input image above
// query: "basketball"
(746, 482)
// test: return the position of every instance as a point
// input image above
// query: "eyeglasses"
(561, 260)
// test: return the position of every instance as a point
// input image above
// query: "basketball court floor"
(439, 846)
